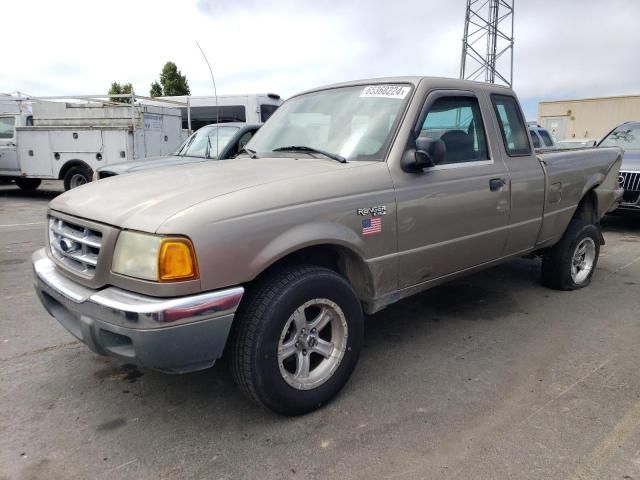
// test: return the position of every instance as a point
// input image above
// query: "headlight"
(151, 257)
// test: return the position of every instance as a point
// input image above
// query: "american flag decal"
(371, 225)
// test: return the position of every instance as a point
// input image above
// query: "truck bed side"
(569, 176)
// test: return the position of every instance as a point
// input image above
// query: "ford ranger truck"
(349, 198)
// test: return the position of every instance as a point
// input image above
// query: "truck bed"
(569, 175)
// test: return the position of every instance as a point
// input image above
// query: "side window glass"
(546, 138)
(512, 126)
(458, 123)
(536, 140)
(266, 111)
(244, 139)
(202, 116)
(7, 127)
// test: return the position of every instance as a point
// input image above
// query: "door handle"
(496, 184)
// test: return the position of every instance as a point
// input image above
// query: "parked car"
(230, 138)
(351, 197)
(541, 138)
(577, 143)
(627, 137)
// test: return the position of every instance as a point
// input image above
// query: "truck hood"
(152, 162)
(631, 161)
(144, 200)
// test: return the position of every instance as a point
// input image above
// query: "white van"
(249, 108)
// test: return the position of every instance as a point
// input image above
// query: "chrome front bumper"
(169, 334)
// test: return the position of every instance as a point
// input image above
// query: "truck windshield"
(203, 142)
(625, 136)
(355, 123)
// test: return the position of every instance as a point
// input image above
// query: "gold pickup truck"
(349, 198)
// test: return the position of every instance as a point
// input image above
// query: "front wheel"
(296, 339)
(28, 183)
(570, 263)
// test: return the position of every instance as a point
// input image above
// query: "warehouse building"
(589, 118)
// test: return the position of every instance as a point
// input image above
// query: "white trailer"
(66, 140)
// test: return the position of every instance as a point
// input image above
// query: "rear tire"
(570, 264)
(28, 183)
(76, 177)
(296, 339)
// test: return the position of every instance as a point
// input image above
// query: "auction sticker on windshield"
(385, 91)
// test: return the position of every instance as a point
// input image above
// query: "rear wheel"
(28, 183)
(76, 177)
(296, 339)
(570, 263)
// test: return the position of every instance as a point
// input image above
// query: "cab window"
(546, 138)
(458, 123)
(7, 127)
(535, 138)
(512, 126)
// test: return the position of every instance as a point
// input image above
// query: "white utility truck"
(15, 111)
(66, 138)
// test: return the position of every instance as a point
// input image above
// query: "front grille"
(75, 246)
(630, 181)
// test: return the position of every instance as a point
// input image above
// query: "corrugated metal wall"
(587, 118)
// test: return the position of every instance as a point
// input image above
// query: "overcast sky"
(563, 48)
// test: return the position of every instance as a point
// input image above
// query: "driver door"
(452, 216)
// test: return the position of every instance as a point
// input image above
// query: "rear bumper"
(169, 334)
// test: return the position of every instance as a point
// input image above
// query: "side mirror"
(428, 153)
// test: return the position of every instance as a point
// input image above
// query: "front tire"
(570, 264)
(76, 177)
(28, 183)
(296, 339)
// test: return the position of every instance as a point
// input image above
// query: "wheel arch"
(334, 255)
(69, 164)
(587, 210)
(588, 206)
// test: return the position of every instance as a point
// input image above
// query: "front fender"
(303, 236)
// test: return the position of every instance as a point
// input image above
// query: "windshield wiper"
(252, 153)
(303, 148)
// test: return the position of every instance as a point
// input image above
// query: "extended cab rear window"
(512, 126)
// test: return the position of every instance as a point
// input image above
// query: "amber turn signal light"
(177, 260)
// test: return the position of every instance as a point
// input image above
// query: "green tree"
(156, 90)
(173, 82)
(119, 89)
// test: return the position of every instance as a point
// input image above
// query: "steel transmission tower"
(487, 45)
